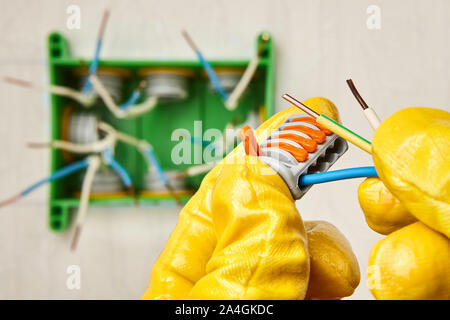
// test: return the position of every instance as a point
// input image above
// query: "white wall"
(319, 44)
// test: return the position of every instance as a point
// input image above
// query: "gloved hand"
(411, 152)
(241, 237)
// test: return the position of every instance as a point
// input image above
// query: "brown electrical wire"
(18, 82)
(300, 105)
(189, 40)
(102, 28)
(357, 95)
(76, 236)
(10, 200)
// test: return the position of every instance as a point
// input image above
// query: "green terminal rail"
(156, 126)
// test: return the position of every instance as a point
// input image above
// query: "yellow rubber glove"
(334, 268)
(384, 213)
(240, 236)
(411, 152)
(410, 263)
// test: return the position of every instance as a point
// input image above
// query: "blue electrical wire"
(155, 163)
(131, 100)
(58, 174)
(207, 66)
(329, 176)
(212, 76)
(121, 171)
(94, 64)
(87, 88)
(117, 167)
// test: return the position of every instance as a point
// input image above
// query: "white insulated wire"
(94, 163)
(243, 83)
(110, 139)
(89, 100)
(195, 170)
(135, 111)
(95, 147)
(141, 145)
(86, 101)
(372, 117)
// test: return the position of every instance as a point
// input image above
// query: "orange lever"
(313, 122)
(251, 146)
(317, 135)
(299, 154)
(308, 144)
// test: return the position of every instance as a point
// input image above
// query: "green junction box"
(156, 126)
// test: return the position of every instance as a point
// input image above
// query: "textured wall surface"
(319, 44)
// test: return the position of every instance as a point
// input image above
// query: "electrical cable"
(147, 152)
(141, 145)
(369, 112)
(153, 161)
(86, 101)
(58, 174)
(150, 155)
(136, 110)
(135, 95)
(231, 102)
(95, 147)
(207, 66)
(87, 88)
(196, 170)
(93, 165)
(117, 167)
(332, 125)
(336, 175)
(233, 98)
(103, 145)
